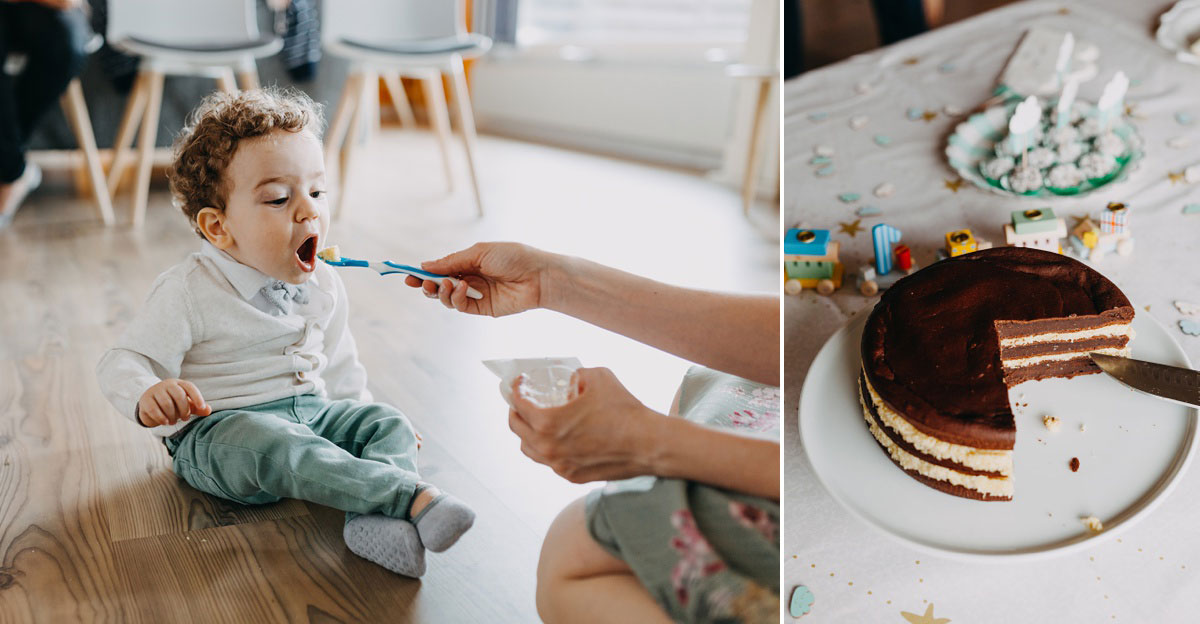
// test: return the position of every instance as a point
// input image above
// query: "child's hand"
(169, 401)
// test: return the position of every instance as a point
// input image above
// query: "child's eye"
(316, 194)
(278, 202)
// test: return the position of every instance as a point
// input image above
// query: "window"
(691, 30)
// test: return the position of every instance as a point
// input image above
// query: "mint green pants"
(357, 457)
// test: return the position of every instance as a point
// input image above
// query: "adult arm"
(736, 334)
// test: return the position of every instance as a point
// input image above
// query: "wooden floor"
(94, 526)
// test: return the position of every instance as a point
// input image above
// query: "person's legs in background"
(899, 19)
(53, 43)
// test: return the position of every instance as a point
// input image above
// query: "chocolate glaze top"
(930, 347)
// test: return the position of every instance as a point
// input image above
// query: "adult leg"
(578, 581)
(55, 43)
(12, 154)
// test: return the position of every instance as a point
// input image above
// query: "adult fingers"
(458, 296)
(199, 406)
(518, 425)
(444, 290)
(465, 261)
(414, 281)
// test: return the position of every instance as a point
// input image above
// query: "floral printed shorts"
(704, 553)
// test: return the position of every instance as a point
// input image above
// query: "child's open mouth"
(306, 254)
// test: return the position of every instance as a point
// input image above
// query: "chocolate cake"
(943, 346)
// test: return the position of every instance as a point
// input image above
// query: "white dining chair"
(217, 39)
(419, 39)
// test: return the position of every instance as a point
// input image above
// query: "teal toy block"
(808, 269)
(798, 242)
(1034, 220)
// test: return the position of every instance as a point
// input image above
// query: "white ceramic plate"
(1133, 451)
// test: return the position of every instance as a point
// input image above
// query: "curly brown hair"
(210, 138)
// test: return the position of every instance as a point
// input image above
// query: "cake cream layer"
(997, 487)
(1064, 369)
(976, 459)
(1047, 348)
(1121, 315)
(1112, 330)
(1010, 364)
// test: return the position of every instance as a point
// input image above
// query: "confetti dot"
(858, 121)
(820, 160)
(1191, 209)
(801, 602)
(848, 198)
(913, 114)
(817, 116)
(825, 171)
(1189, 327)
(823, 150)
(946, 68)
(882, 140)
(1184, 119)
(868, 211)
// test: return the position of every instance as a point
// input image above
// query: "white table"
(1152, 572)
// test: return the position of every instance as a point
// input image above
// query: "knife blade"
(1181, 385)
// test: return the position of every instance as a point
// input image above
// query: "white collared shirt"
(206, 321)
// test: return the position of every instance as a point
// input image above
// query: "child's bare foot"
(422, 500)
(440, 518)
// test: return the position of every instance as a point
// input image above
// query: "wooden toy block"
(1034, 220)
(806, 242)
(1115, 219)
(960, 242)
(1047, 241)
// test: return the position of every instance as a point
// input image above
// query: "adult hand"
(169, 401)
(512, 278)
(603, 434)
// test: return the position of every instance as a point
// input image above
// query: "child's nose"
(308, 209)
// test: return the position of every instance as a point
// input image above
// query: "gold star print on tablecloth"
(851, 228)
(924, 619)
(1175, 178)
(1078, 219)
(929, 116)
(912, 60)
(954, 185)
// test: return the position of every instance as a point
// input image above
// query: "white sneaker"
(29, 181)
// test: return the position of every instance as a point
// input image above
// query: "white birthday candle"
(1112, 98)
(1065, 101)
(1025, 118)
(1064, 55)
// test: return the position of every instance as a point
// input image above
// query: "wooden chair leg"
(372, 101)
(248, 78)
(76, 109)
(226, 81)
(336, 136)
(750, 176)
(129, 125)
(439, 118)
(462, 101)
(358, 124)
(400, 102)
(146, 139)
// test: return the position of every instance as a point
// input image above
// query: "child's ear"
(211, 223)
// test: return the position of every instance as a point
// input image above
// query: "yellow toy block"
(960, 242)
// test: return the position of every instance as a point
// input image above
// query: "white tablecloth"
(1152, 572)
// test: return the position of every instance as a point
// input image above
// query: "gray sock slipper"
(443, 521)
(390, 542)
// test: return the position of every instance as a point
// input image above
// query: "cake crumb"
(1052, 423)
(1074, 464)
(1093, 524)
